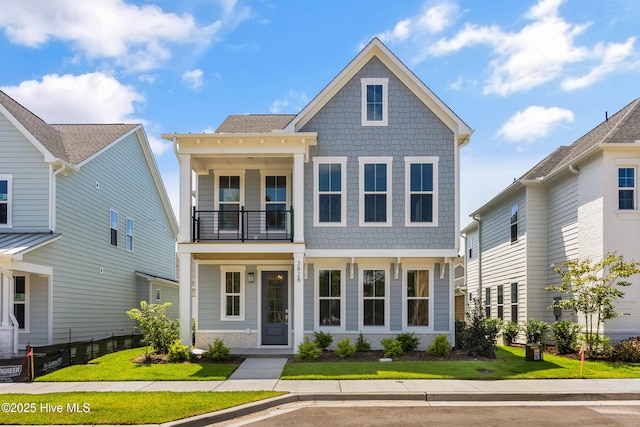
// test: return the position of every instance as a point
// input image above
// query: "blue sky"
(528, 76)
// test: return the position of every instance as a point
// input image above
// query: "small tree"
(479, 336)
(159, 331)
(593, 291)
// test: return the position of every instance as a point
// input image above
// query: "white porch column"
(4, 302)
(298, 300)
(185, 199)
(298, 198)
(184, 294)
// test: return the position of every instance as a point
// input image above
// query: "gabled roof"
(378, 49)
(621, 128)
(254, 123)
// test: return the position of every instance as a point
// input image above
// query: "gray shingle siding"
(413, 130)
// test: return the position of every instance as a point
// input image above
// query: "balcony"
(242, 225)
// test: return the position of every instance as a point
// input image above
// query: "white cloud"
(85, 98)
(193, 78)
(136, 37)
(533, 123)
(292, 103)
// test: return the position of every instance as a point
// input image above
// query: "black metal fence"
(47, 359)
(243, 225)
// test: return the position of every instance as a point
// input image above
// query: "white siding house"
(86, 229)
(582, 202)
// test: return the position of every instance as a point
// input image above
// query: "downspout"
(573, 169)
(477, 218)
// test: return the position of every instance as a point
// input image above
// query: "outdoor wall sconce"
(251, 276)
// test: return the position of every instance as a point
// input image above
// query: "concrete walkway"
(262, 373)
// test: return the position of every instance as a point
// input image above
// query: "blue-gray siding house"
(342, 218)
(86, 229)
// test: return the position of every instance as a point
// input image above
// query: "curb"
(250, 408)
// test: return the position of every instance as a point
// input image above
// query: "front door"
(275, 309)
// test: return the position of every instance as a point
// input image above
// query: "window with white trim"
(375, 191)
(514, 223)
(275, 198)
(21, 301)
(514, 302)
(229, 198)
(417, 287)
(374, 294)
(375, 102)
(421, 191)
(5, 200)
(626, 188)
(329, 191)
(500, 302)
(158, 295)
(470, 245)
(232, 298)
(113, 227)
(330, 295)
(129, 235)
(487, 303)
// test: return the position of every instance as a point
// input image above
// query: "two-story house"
(342, 218)
(86, 229)
(580, 202)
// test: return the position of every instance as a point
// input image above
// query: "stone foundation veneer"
(237, 339)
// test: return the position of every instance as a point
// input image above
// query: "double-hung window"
(417, 291)
(514, 223)
(329, 291)
(330, 195)
(374, 298)
(500, 302)
(275, 202)
(5, 201)
(20, 301)
(514, 302)
(487, 303)
(421, 191)
(375, 103)
(375, 191)
(626, 188)
(232, 298)
(113, 226)
(470, 246)
(129, 235)
(229, 200)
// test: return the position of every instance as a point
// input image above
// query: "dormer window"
(374, 101)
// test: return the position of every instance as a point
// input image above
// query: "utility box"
(534, 352)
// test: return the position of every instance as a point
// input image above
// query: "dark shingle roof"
(72, 143)
(254, 123)
(622, 127)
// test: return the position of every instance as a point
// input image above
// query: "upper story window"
(229, 200)
(5, 200)
(329, 190)
(129, 235)
(113, 225)
(375, 104)
(470, 245)
(421, 191)
(275, 202)
(514, 223)
(626, 188)
(375, 191)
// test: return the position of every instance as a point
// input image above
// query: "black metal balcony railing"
(242, 225)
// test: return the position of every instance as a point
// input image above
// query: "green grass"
(120, 408)
(509, 364)
(118, 367)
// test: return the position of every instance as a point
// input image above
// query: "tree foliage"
(593, 289)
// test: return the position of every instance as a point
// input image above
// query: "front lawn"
(117, 407)
(510, 363)
(119, 367)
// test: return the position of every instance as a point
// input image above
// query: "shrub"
(159, 331)
(565, 334)
(478, 338)
(362, 345)
(323, 339)
(178, 352)
(626, 351)
(344, 349)
(218, 351)
(441, 347)
(392, 347)
(460, 327)
(535, 330)
(510, 331)
(409, 342)
(308, 350)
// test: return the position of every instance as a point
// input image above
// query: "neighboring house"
(580, 202)
(86, 229)
(460, 290)
(342, 218)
